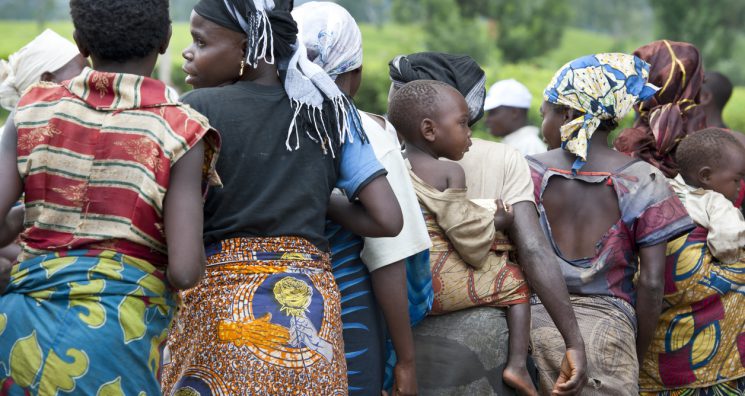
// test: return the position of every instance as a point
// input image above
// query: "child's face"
(214, 56)
(725, 178)
(553, 119)
(452, 130)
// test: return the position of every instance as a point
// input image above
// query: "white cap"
(507, 93)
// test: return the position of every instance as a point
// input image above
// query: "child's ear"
(82, 45)
(427, 129)
(704, 176)
(164, 45)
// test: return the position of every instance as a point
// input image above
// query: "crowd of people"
(260, 235)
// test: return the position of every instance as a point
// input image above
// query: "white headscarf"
(48, 52)
(331, 36)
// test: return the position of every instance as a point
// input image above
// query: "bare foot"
(518, 378)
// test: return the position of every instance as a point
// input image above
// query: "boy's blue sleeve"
(358, 166)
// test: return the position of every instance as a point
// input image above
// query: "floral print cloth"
(601, 86)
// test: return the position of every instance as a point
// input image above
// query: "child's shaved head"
(704, 148)
(414, 102)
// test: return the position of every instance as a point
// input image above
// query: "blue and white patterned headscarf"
(331, 36)
(603, 87)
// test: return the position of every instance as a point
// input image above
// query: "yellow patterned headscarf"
(601, 86)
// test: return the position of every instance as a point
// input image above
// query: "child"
(712, 164)
(111, 167)
(433, 119)
(266, 319)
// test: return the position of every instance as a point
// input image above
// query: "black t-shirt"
(267, 190)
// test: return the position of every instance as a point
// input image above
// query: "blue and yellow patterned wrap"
(699, 344)
(85, 323)
(602, 87)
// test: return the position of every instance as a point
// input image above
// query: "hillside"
(381, 44)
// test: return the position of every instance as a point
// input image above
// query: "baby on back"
(712, 164)
(468, 240)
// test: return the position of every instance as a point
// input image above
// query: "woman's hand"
(404, 382)
(5, 267)
(503, 216)
(572, 374)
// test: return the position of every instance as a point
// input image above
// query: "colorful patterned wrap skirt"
(83, 323)
(699, 345)
(265, 320)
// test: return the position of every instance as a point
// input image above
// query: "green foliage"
(382, 43)
(447, 30)
(379, 46)
(368, 11)
(715, 28)
(734, 117)
(524, 28)
(406, 11)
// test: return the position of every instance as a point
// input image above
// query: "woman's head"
(48, 57)
(673, 112)
(459, 71)
(232, 38)
(333, 41)
(599, 90)
(125, 31)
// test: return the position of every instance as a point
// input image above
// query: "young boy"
(712, 164)
(433, 119)
(111, 167)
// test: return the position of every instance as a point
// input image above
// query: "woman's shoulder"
(556, 158)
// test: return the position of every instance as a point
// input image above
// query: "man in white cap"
(507, 105)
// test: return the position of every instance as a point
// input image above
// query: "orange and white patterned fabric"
(95, 156)
(265, 320)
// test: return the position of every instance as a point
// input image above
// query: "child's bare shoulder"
(456, 176)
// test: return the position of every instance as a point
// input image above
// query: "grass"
(382, 43)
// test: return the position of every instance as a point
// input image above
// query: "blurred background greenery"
(523, 39)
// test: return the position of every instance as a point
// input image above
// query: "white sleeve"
(413, 238)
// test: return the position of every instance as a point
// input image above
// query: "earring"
(243, 64)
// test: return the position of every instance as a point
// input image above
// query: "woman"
(48, 57)
(266, 318)
(605, 216)
(460, 336)
(334, 42)
(111, 165)
(696, 349)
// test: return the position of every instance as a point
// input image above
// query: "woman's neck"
(262, 74)
(599, 142)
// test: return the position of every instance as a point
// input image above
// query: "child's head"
(121, 31)
(433, 116)
(712, 159)
(218, 52)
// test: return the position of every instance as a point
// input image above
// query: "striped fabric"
(95, 158)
